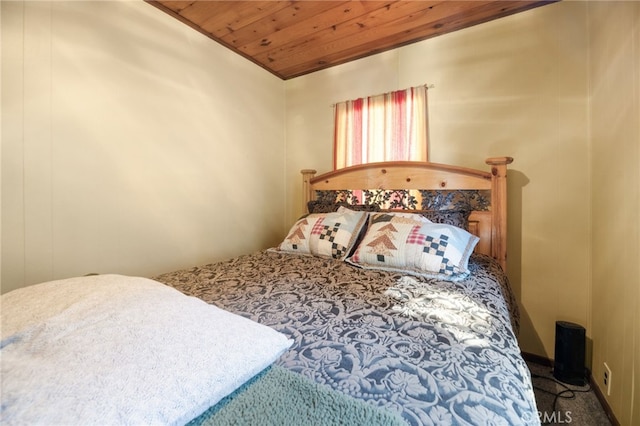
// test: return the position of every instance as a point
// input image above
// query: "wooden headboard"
(489, 224)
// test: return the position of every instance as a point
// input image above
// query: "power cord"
(566, 393)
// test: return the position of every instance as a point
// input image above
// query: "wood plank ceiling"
(293, 38)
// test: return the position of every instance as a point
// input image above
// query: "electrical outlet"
(607, 379)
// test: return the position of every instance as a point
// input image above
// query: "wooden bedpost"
(499, 208)
(307, 194)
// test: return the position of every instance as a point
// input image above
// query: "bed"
(434, 347)
(386, 304)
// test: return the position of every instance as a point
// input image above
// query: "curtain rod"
(428, 86)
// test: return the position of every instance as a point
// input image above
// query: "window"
(387, 127)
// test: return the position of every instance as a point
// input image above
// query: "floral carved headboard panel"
(403, 199)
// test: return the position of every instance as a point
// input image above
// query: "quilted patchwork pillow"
(330, 235)
(403, 244)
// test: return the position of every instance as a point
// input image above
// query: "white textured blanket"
(111, 349)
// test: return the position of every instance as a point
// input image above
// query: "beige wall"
(125, 135)
(615, 187)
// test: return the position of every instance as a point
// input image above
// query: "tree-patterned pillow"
(415, 246)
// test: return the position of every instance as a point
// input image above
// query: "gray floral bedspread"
(438, 353)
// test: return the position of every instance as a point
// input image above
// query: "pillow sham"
(331, 235)
(399, 243)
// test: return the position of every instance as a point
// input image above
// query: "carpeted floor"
(580, 407)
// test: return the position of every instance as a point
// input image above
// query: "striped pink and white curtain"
(387, 127)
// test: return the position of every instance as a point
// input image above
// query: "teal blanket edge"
(278, 396)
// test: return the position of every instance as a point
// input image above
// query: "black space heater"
(569, 359)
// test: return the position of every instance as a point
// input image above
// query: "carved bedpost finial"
(499, 161)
